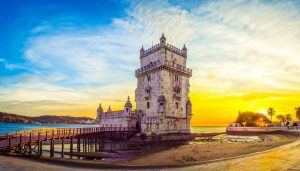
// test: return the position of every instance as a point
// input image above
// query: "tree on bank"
(298, 112)
(288, 117)
(281, 118)
(271, 112)
(252, 119)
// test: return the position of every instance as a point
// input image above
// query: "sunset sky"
(63, 57)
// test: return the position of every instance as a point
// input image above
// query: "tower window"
(176, 105)
(148, 105)
(148, 90)
(149, 78)
(176, 78)
(161, 104)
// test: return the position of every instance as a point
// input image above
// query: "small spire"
(109, 109)
(184, 48)
(163, 36)
(142, 48)
(128, 98)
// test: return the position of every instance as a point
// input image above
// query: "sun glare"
(262, 111)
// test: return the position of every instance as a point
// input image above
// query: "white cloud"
(233, 46)
(11, 66)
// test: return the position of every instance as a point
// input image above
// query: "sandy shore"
(285, 157)
(191, 153)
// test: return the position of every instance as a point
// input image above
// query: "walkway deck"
(32, 141)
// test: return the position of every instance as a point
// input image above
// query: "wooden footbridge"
(31, 142)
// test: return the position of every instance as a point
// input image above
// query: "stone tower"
(162, 93)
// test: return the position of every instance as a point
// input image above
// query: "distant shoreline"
(48, 123)
(44, 119)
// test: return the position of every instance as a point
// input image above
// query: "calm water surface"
(13, 127)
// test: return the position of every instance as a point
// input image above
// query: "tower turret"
(99, 113)
(142, 51)
(188, 107)
(184, 50)
(128, 106)
(163, 40)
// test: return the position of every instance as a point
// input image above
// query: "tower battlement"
(167, 46)
(157, 65)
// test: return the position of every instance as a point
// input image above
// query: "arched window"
(127, 109)
(148, 105)
(176, 78)
(148, 90)
(176, 105)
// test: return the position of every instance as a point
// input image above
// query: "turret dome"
(128, 103)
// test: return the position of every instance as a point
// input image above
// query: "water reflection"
(112, 151)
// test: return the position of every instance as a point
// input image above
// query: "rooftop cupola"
(128, 107)
(142, 51)
(163, 40)
(128, 103)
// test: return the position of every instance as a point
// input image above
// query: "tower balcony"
(167, 65)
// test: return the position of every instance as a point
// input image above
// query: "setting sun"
(262, 111)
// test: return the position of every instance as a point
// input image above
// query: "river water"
(13, 127)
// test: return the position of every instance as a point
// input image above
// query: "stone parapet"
(163, 65)
(169, 47)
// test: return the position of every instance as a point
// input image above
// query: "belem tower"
(162, 99)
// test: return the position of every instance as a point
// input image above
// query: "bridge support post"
(88, 145)
(52, 147)
(40, 145)
(9, 143)
(83, 145)
(30, 142)
(99, 143)
(40, 148)
(78, 146)
(71, 146)
(62, 148)
(96, 146)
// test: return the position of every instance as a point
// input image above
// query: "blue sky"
(65, 56)
(19, 18)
